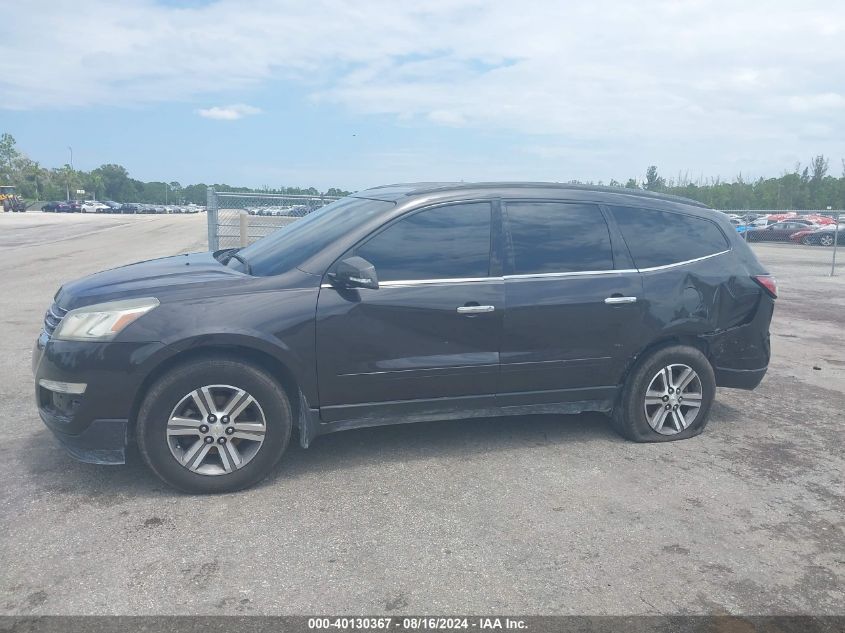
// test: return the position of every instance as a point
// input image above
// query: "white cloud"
(827, 100)
(228, 113)
(691, 78)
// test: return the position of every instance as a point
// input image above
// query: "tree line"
(804, 187)
(808, 186)
(111, 182)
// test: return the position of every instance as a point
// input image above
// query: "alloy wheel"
(826, 240)
(216, 429)
(673, 399)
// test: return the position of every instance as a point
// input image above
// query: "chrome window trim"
(580, 273)
(683, 263)
(425, 282)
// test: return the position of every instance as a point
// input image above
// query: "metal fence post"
(835, 243)
(211, 216)
(244, 229)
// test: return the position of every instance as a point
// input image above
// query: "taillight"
(767, 283)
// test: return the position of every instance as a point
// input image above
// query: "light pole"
(835, 242)
(166, 189)
(67, 183)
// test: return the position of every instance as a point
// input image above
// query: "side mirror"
(355, 272)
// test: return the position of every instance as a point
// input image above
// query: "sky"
(359, 93)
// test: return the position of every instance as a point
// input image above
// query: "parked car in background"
(823, 220)
(744, 218)
(823, 236)
(407, 303)
(759, 222)
(128, 208)
(92, 206)
(777, 232)
(56, 207)
(113, 206)
(795, 217)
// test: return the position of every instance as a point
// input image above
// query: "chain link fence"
(238, 219)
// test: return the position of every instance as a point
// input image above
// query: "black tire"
(807, 241)
(629, 416)
(169, 389)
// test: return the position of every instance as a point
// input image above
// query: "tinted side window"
(659, 238)
(442, 243)
(556, 237)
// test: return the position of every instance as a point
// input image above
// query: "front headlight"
(103, 321)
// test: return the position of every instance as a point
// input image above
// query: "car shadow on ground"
(438, 440)
(54, 471)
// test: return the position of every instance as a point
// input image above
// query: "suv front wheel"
(666, 397)
(214, 425)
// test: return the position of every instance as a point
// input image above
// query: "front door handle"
(617, 300)
(475, 309)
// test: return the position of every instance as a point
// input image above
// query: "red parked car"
(778, 232)
(824, 236)
(792, 216)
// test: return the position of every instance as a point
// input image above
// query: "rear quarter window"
(659, 238)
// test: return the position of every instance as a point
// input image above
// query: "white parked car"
(92, 206)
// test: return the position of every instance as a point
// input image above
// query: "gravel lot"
(540, 514)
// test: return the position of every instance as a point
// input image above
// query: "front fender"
(279, 324)
(301, 368)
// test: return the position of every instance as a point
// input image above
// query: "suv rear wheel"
(214, 425)
(666, 397)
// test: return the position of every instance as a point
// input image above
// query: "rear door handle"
(475, 309)
(617, 300)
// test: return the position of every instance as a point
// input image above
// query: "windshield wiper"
(241, 259)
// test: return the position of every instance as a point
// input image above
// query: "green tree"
(116, 184)
(8, 155)
(653, 182)
(819, 168)
(67, 181)
(176, 195)
(29, 177)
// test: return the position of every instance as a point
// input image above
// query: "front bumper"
(102, 442)
(92, 426)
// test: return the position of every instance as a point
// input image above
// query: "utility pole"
(67, 181)
(835, 242)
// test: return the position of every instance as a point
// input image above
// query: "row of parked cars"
(811, 230)
(296, 211)
(110, 206)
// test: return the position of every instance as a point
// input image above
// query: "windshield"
(297, 242)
